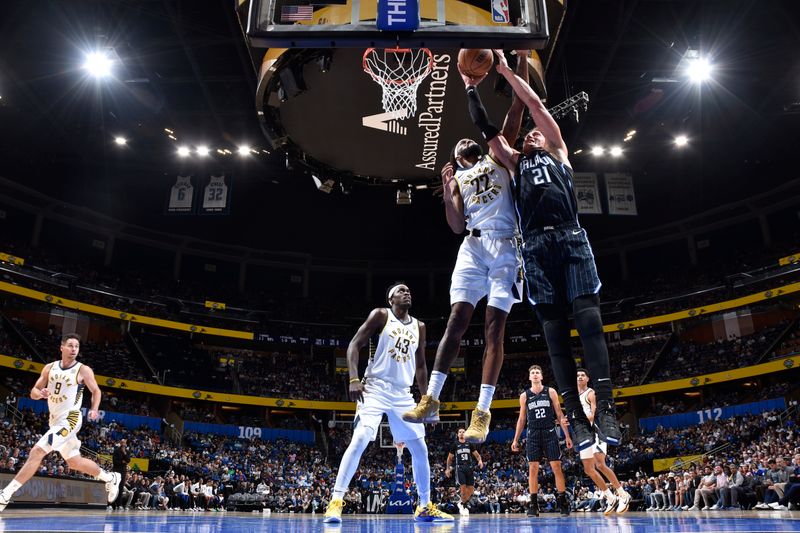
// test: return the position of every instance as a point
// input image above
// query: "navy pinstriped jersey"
(541, 414)
(545, 195)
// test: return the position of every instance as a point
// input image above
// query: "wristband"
(354, 380)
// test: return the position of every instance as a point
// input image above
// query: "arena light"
(578, 151)
(120, 141)
(203, 150)
(615, 151)
(699, 70)
(243, 150)
(184, 151)
(98, 64)
(598, 151)
(681, 141)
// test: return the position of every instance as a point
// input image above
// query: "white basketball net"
(399, 72)
(400, 446)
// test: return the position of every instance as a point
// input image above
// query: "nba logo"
(500, 11)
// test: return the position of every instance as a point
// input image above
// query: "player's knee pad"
(556, 332)
(586, 310)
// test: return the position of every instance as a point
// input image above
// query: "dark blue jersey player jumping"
(560, 271)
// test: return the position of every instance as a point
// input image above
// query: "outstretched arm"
(544, 120)
(376, 320)
(497, 143)
(513, 122)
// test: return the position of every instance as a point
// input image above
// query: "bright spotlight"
(184, 151)
(615, 151)
(681, 140)
(120, 141)
(203, 151)
(243, 150)
(699, 70)
(98, 64)
(598, 150)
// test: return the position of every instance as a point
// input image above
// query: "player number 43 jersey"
(486, 190)
(395, 359)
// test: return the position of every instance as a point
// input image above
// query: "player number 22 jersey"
(486, 190)
(395, 355)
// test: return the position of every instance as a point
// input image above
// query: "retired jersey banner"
(621, 199)
(587, 193)
(181, 196)
(216, 195)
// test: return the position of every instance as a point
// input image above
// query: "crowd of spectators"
(690, 358)
(211, 471)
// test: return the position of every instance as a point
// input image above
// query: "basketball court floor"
(30, 520)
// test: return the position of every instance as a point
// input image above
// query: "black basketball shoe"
(563, 503)
(582, 432)
(533, 506)
(606, 420)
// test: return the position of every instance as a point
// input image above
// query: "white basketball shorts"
(597, 447)
(487, 266)
(62, 436)
(382, 398)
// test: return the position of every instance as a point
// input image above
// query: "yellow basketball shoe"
(478, 427)
(426, 411)
(430, 513)
(334, 513)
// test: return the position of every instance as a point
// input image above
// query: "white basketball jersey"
(488, 202)
(182, 194)
(216, 193)
(584, 398)
(66, 393)
(395, 359)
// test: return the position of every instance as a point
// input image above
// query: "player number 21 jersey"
(395, 355)
(486, 190)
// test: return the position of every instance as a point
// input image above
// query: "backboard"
(405, 23)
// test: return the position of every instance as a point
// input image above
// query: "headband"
(391, 290)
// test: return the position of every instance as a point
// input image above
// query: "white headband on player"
(393, 289)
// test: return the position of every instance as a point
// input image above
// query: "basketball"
(475, 62)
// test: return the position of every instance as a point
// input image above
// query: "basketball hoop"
(399, 72)
(400, 446)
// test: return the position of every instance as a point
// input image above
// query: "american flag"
(289, 13)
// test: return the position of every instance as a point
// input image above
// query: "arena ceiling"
(183, 66)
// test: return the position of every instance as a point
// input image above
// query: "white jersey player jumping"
(594, 457)
(478, 198)
(61, 383)
(386, 390)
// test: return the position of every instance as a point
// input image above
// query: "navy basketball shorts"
(559, 266)
(465, 476)
(542, 444)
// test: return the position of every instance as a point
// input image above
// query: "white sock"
(12, 487)
(350, 460)
(485, 399)
(436, 383)
(104, 476)
(421, 469)
(609, 494)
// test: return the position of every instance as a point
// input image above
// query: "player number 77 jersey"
(486, 190)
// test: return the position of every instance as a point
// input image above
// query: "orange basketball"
(475, 62)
